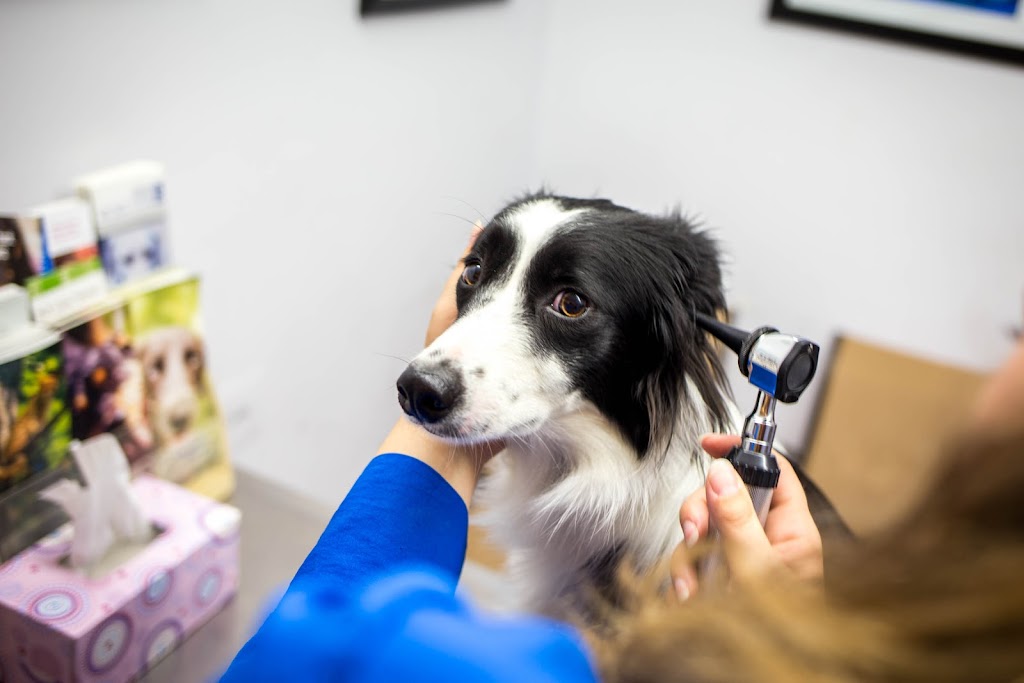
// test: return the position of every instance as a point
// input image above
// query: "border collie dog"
(576, 345)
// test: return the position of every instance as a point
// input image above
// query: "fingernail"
(690, 534)
(682, 589)
(723, 479)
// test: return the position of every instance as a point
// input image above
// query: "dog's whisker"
(388, 355)
(455, 215)
(483, 218)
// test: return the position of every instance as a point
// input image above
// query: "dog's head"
(567, 301)
(172, 365)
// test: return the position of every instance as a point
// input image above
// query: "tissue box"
(56, 624)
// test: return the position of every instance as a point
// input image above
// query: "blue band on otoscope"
(762, 379)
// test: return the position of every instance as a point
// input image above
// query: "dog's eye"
(570, 304)
(471, 275)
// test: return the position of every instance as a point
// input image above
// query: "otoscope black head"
(779, 364)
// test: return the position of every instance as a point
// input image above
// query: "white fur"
(576, 489)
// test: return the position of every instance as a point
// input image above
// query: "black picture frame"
(371, 7)
(926, 25)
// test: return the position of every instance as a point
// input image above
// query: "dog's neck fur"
(587, 499)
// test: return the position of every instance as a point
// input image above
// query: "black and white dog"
(575, 343)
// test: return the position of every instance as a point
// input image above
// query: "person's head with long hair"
(939, 596)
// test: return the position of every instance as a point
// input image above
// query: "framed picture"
(384, 6)
(987, 28)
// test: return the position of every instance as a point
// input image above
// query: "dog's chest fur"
(570, 502)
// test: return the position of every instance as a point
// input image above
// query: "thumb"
(746, 548)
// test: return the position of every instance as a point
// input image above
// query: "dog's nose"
(180, 423)
(428, 397)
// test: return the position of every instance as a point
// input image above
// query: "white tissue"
(105, 509)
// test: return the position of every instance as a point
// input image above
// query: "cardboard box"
(60, 624)
(881, 416)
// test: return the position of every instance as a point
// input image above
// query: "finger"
(478, 228)
(684, 577)
(474, 234)
(791, 529)
(445, 309)
(789, 491)
(789, 515)
(453, 278)
(744, 542)
(719, 445)
(693, 517)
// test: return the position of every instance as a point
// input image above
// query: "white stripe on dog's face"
(508, 387)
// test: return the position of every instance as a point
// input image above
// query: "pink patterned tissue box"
(56, 624)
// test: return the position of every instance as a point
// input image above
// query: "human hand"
(789, 538)
(445, 311)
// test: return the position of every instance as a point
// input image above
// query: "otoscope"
(780, 366)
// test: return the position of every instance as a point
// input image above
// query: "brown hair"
(937, 597)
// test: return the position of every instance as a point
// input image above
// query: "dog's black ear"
(693, 284)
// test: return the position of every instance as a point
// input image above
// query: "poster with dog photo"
(138, 371)
(35, 431)
(188, 438)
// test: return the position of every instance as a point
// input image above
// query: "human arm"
(375, 599)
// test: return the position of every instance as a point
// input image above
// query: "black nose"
(428, 397)
(180, 423)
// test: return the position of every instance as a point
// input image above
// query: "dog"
(172, 368)
(576, 345)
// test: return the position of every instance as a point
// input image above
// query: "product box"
(52, 251)
(136, 368)
(35, 424)
(111, 624)
(129, 209)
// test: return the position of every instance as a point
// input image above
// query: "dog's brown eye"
(471, 275)
(570, 304)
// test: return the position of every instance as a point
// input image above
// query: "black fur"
(496, 250)
(644, 277)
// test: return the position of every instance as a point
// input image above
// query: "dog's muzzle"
(429, 395)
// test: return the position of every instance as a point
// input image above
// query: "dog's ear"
(694, 285)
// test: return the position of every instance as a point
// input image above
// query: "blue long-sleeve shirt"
(375, 599)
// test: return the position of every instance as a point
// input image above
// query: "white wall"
(313, 160)
(314, 157)
(856, 186)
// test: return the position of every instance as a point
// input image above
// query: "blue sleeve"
(406, 626)
(375, 602)
(399, 512)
